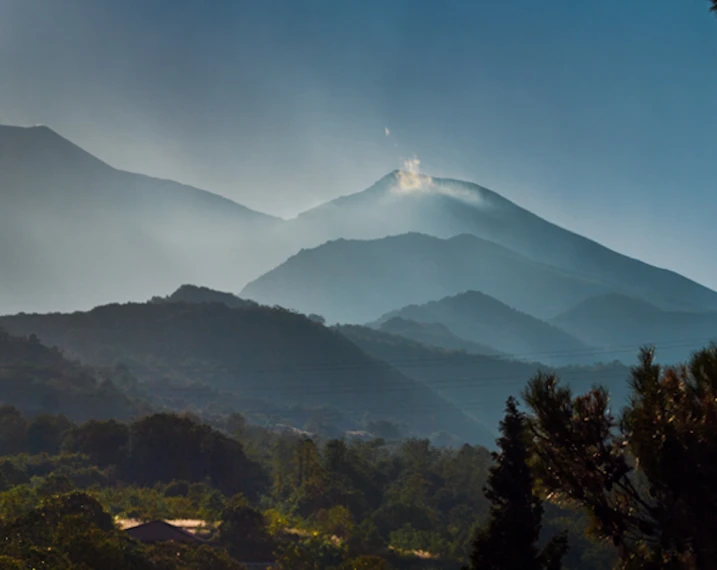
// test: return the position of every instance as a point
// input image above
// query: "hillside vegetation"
(253, 353)
(38, 379)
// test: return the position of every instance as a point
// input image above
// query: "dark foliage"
(67, 532)
(172, 556)
(646, 476)
(509, 541)
(243, 532)
(38, 379)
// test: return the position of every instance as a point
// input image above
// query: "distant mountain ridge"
(51, 152)
(445, 207)
(76, 232)
(433, 334)
(354, 281)
(623, 324)
(483, 319)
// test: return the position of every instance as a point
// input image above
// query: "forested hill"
(38, 379)
(197, 294)
(256, 352)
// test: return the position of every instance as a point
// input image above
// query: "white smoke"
(410, 180)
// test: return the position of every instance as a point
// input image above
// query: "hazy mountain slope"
(256, 352)
(433, 334)
(75, 232)
(408, 202)
(623, 324)
(479, 385)
(37, 379)
(483, 319)
(357, 281)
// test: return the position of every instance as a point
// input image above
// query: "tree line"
(574, 484)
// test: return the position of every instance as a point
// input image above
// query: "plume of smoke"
(386, 131)
(410, 178)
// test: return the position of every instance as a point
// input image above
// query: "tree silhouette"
(647, 477)
(509, 540)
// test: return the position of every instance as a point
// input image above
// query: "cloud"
(386, 131)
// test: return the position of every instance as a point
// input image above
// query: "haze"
(597, 116)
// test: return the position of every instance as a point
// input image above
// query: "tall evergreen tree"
(509, 540)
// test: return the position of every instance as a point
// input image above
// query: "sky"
(599, 116)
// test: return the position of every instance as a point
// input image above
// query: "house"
(162, 531)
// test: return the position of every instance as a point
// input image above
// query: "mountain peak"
(405, 186)
(33, 133)
(18, 143)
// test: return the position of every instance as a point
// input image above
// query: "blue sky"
(600, 116)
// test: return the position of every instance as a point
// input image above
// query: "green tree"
(45, 433)
(11, 475)
(104, 442)
(312, 553)
(236, 424)
(70, 532)
(243, 532)
(13, 430)
(509, 540)
(165, 447)
(647, 477)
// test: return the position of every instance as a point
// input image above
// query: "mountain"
(356, 281)
(482, 319)
(38, 379)
(433, 334)
(620, 325)
(197, 294)
(75, 232)
(252, 353)
(407, 201)
(479, 385)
